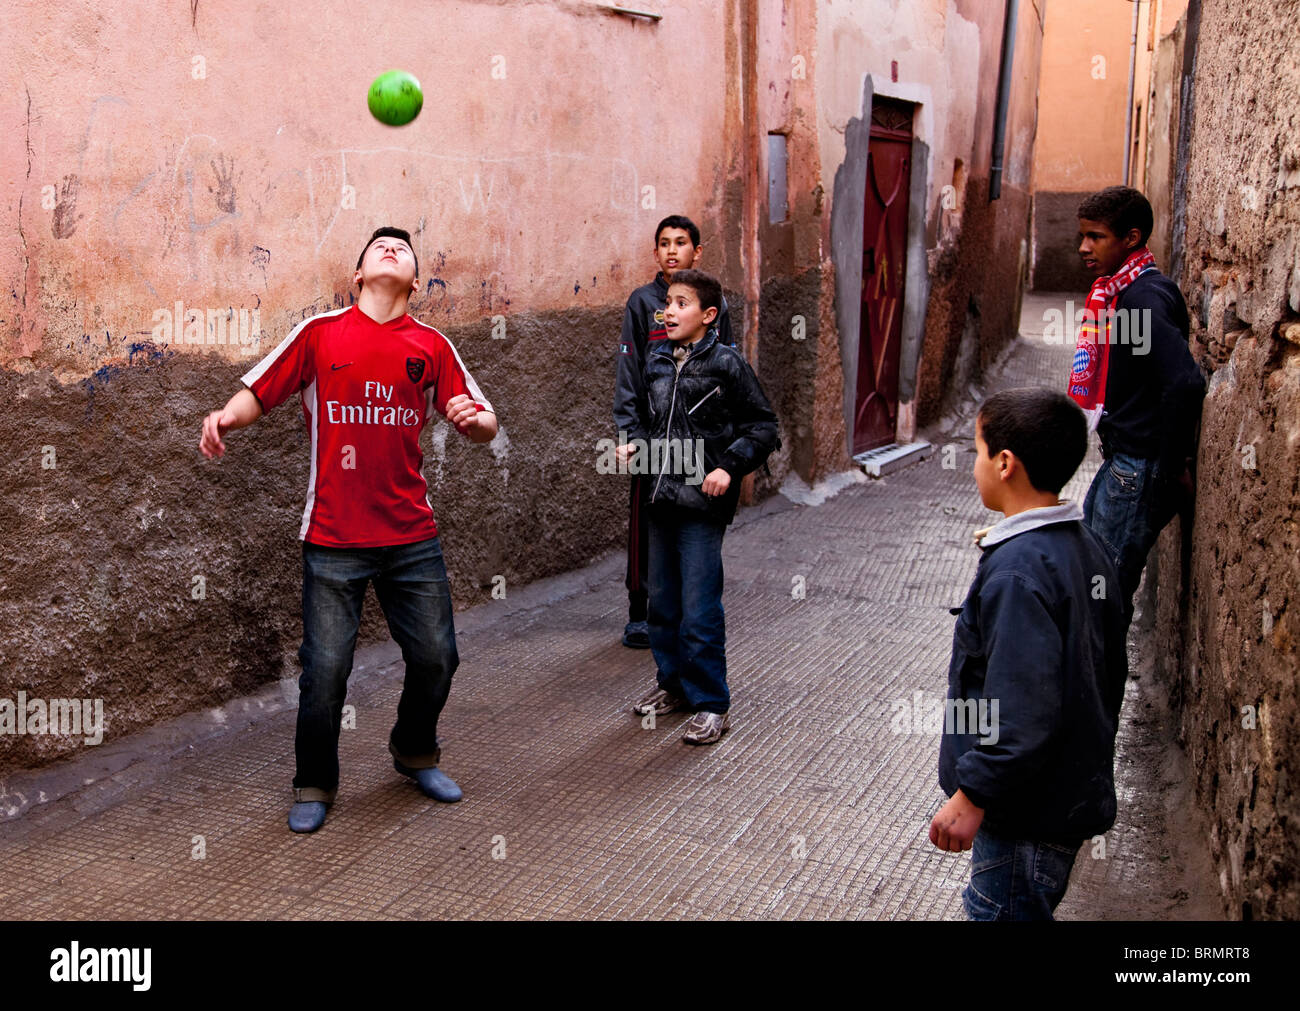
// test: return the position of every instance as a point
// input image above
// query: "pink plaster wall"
(204, 158)
(1084, 94)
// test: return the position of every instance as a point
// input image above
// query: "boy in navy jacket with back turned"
(1039, 644)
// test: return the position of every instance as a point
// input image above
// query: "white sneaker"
(706, 728)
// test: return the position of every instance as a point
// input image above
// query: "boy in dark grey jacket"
(709, 424)
(1039, 644)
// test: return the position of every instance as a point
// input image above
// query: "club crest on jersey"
(415, 368)
(659, 316)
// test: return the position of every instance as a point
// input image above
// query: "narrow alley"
(815, 806)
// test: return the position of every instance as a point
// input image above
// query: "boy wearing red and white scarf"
(1133, 374)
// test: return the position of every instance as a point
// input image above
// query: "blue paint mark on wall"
(149, 351)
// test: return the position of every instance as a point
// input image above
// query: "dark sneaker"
(706, 728)
(637, 635)
(307, 816)
(660, 703)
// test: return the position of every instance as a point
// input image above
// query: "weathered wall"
(103, 548)
(196, 156)
(1162, 140)
(802, 380)
(193, 154)
(943, 56)
(1157, 20)
(230, 188)
(979, 262)
(1228, 613)
(1080, 149)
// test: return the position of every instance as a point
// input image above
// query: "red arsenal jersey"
(367, 391)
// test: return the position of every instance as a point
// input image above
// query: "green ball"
(395, 98)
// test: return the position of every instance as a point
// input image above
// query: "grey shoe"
(660, 703)
(307, 816)
(706, 728)
(433, 782)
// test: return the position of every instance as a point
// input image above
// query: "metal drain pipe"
(1128, 112)
(1004, 99)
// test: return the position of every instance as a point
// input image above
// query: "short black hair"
(707, 288)
(1119, 208)
(389, 232)
(679, 221)
(1043, 428)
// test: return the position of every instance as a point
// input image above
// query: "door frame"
(847, 222)
(890, 135)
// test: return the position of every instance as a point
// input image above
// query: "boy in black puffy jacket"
(710, 424)
(677, 247)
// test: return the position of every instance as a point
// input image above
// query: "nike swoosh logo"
(335, 368)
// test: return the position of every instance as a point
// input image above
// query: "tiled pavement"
(811, 807)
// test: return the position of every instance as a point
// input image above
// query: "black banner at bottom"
(134, 960)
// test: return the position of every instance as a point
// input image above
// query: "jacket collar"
(1031, 519)
(665, 347)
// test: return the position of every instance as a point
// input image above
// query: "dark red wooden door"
(884, 254)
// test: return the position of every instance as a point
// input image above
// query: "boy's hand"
(462, 412)
(625, 451)
(954, 827)
(215, 425)
(981, 534)
(240, 411)
(716, 482)
(476, 425)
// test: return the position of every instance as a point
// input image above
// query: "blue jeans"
(411, 583)
(1127, 505)
(688, 633)
(1016, 879)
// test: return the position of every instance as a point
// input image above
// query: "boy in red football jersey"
(370, 378)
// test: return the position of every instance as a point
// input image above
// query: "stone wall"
(139, 573)
(1227, 610)
(1057, 266)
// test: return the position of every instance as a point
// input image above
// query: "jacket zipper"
(716, 389)
(668, 428)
